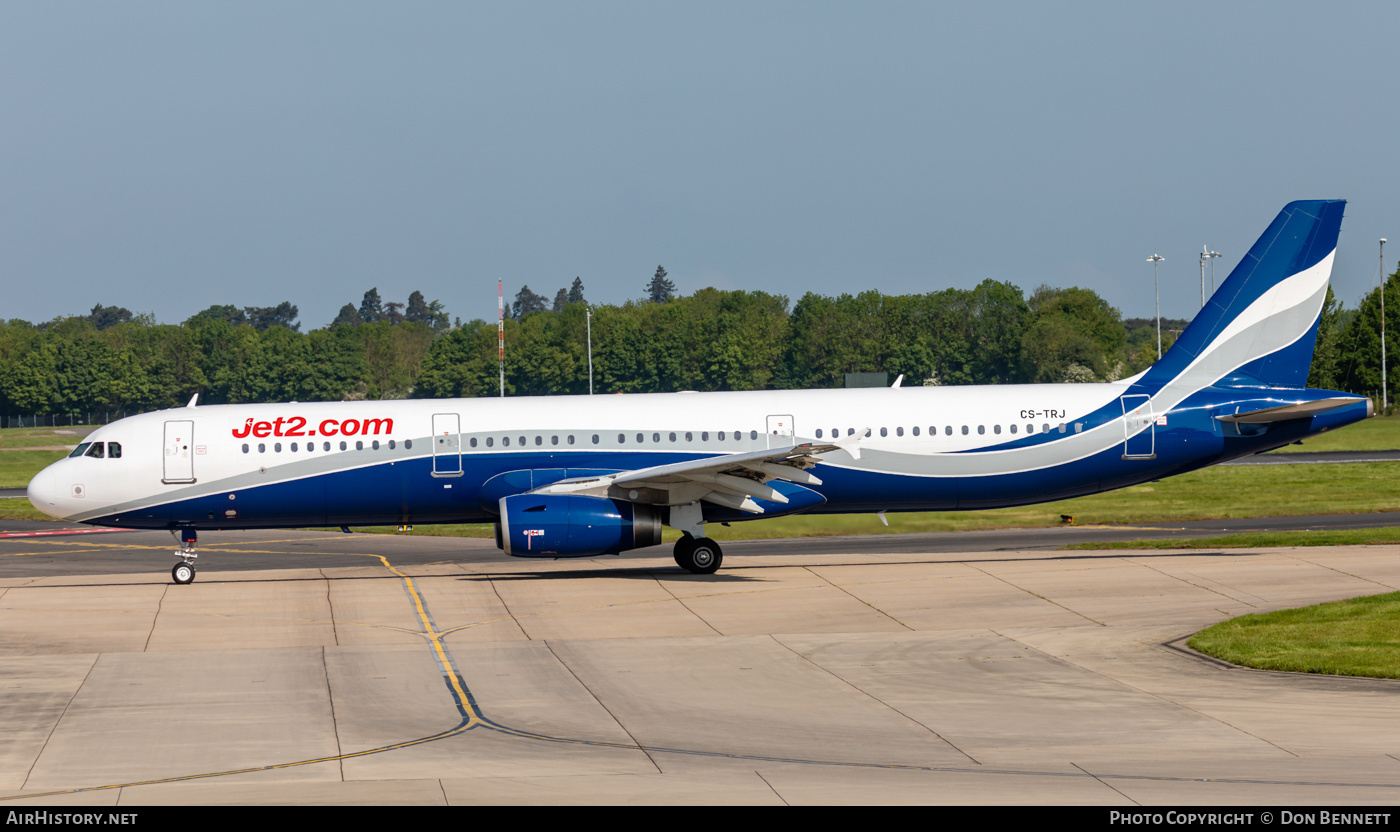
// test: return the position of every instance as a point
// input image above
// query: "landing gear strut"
(184, 572)
(699, 555)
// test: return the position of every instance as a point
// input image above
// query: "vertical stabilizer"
(1260, 326)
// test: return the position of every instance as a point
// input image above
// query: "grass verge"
(1381, 433)
(17, 468)
(1260, 540)
(20, 509)
(1359, 637)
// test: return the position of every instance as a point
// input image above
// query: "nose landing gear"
(184, 571)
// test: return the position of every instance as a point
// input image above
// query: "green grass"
(1359, 637)
(17, 468)
(20, 509)
(1381, 433)
(11, 442)
(1260, 540)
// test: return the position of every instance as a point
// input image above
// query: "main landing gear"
(184, 572)
(699, 555)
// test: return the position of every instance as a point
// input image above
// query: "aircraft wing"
(732, 480)
(1286, 412)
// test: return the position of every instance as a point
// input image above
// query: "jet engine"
(566, 526)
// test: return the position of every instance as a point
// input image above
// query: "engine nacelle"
(565, 526)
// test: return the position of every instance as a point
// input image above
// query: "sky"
(166, 157)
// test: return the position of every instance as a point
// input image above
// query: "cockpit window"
(80, 450)
(114, 450)
(95, 451)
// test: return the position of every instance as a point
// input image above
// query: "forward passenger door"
(179, 452)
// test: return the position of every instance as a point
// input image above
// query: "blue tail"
(1260, 326)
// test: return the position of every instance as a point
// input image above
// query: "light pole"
(501, 333)
(1204, 257)
(1212, 255)
(589, 314)
(1385, 399)
(1154, 260)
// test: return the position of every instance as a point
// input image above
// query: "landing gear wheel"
(701, 556)
(183, 573)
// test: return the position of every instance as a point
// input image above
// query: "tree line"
(994, 333)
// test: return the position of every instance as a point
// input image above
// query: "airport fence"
(61, 420)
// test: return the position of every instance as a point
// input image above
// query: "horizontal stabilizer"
(1286, 412)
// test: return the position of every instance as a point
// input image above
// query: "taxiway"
(380, 669)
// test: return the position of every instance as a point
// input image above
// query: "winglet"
(898, 381)
(193, 400)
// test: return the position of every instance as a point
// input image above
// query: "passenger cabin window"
(245, 447)
(996, 429)
(505, 440)
(899, 431)
(916, 430)
(981, 429)
(964, 427)
(471, 442)
(819, 433)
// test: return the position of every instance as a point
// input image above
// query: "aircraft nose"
(43, 492)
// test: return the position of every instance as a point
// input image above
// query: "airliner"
(593, 475)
